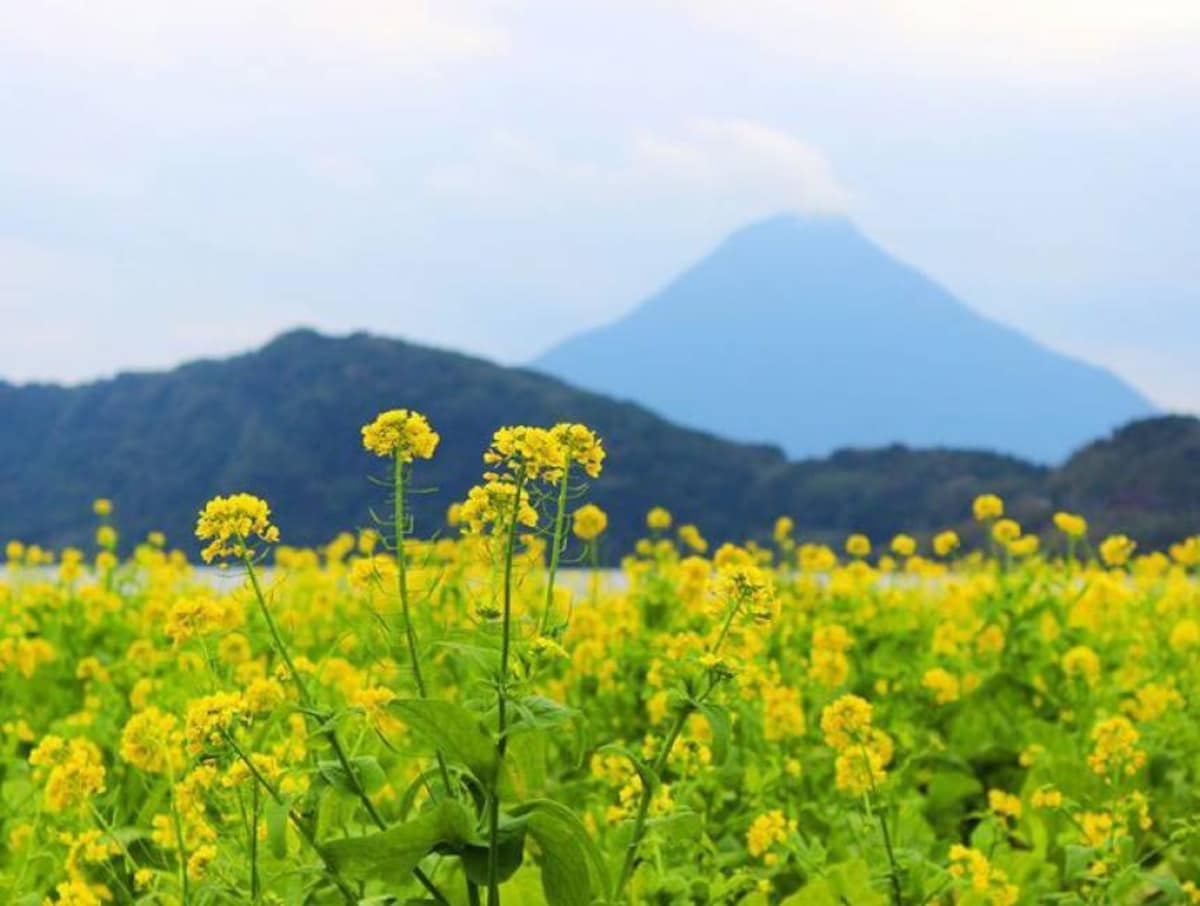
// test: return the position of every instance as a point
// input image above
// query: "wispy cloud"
(736, 168)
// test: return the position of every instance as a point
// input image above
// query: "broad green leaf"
(391, 855)
(845, 882)
(366, 768)
(525, 765)
(276, 814)
(510, 848)
(679, 826)
(574, 872)
(539, 712)
(454, 731)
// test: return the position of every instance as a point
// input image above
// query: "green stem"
(300, 824)
(276, 638)
(660, 762)
(643, 812)
(410, 635)
(560, 521)
(594, 562)
(328, 731)
(177, 821)
(893, 868)
(502, 693)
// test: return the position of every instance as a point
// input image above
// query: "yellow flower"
(1005, 805)
(943, 684)
(1025, 546)
(858, 770)
(904, 545)
(1185, 634)
(987, 506)
(945, 543)
(231, 523)
(988, 882)
(783, 713)
(194, 615)
(491, 505)
(74, 774)
(77, 892)
(858, 545)
(102, 507)
(208, 719)
(402, 434)
(1005, 531)
(846, 722)
(1152, 701)
(581, 445)
(1115, 748)
(748, 589)
(199, 860)
(263, 695)
(658, 519)
(691, 538)
(536, 453)
(1047, 798)
(1070, 524)
(1097, 828)
(589, 522)
(1115, 550)
(766, 831)
(1186, 552)
(150, 741)
(1083, 662)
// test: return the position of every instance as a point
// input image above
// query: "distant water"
(225, 580)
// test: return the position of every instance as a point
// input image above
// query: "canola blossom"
(387, 719)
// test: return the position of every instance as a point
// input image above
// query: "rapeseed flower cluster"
(700, 716)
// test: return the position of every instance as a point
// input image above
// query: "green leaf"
(679, 826)
(539, 712)
(366, 769)
(276, 814)
(525, 765)
(718, 720)
(574, 872)
(845, 882)
(510, 848)
(391, 855)
(454, 731)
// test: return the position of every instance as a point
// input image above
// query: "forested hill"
(283, 421)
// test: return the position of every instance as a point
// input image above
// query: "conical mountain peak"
(799, 330)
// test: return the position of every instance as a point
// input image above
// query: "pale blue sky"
(186, 178)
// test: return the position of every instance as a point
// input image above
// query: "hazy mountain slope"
(801, 332)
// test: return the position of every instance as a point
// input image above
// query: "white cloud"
(738, 167)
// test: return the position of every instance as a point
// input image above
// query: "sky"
(188, 179)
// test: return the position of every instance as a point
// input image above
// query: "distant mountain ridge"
(283, 421)
(800, 331)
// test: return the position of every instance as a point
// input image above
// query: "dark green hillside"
(1144, 480)
(283, 422)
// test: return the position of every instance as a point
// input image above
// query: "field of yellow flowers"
(487, 717)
